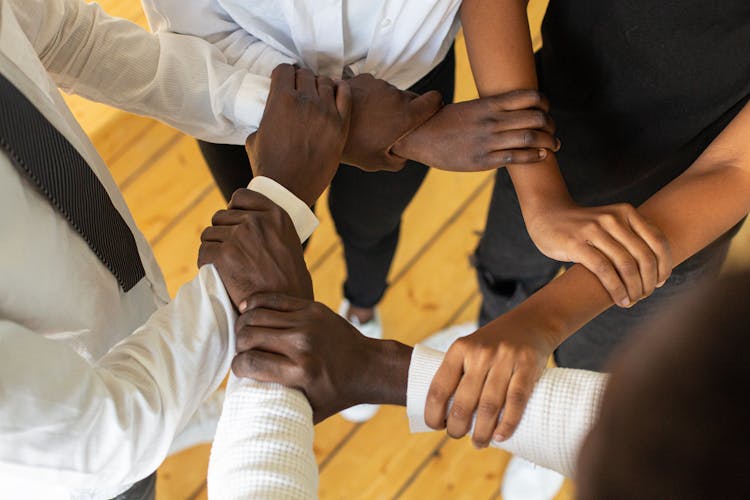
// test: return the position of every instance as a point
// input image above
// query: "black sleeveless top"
(639, 88)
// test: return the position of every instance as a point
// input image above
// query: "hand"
(493, 369)
(484, 134)
(630, 256)
(255, 247)
(381, 115)
(302, 133)
(303, 344)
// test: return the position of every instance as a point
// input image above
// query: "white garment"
(560, 412)
(405, 39)
(95, 382)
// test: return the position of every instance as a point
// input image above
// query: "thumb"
(423, 107)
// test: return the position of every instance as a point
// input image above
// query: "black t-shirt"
(639, 88)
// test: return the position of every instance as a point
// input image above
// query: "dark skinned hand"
(305, 345)
(254, 246)
(302, 133)
(381, 115)
(484, 134)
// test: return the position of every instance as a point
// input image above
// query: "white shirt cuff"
(424, 364)
(303, 218)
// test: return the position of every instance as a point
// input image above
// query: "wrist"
(386, 373)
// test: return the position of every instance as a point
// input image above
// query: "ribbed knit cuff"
(303, 218)
(424, 364)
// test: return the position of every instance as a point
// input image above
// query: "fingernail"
(660, 284)
(558, 145)
(625, 302)
(498, 437)
(542, 154)
(243, 306)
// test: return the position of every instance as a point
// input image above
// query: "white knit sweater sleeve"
(559, 414)
(264, 444)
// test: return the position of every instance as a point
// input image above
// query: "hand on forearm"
(305, 345)
(484, 134)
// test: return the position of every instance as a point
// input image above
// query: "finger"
(638, 249)
(344, 101)
(306, 83)
(443, 386)
(425, 106)
(273, 300)
(282, 78)
(461, 413)
(208, 253)
(228, 217)
(625, 264)
(519, 99)
(264, 339)
(217, 233)
(596, 262)
(502, 158)
(245, 199)
(658, 244)
(265, 367)
(519, 391)
(268, 318)
(525, 119)
(522, 139)
(490, 404)
(326, 89)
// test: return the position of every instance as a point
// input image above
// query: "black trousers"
(145, 489)
(510, 268)
(366, 207)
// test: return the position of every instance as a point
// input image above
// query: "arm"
(693, 210)
(614, 242)
(113, 421)
(561, 410)
(183, 80)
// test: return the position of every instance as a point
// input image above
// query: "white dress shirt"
(396, 40)
(95, 382)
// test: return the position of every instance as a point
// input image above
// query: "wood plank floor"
(172, 196)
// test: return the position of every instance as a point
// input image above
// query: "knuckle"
(518, 397)
(528, 138)
(539, 119)
(437, 394)
(489, 408)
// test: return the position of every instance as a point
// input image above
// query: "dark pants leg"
(367, 207)
(510, 268)
(229, 165)
(145, 489)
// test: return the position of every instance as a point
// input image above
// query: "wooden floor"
(172, 196)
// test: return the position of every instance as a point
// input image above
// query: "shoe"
(201, 427)
(526, 481)
(442, 340)
(374, 330)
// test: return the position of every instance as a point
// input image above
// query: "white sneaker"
(443, 339)
(201, 427)
(374, 330)
(526, 481)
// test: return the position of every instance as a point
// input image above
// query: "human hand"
(630, 256)
(484, 134)
(255, 247)
(381, 115)
(492, 370)
(305, 345)
(302, 133)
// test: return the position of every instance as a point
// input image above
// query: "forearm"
(560, 412)
(502, 60)
(692, 211)
(182, 80)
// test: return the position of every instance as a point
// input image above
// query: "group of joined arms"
(624, 253)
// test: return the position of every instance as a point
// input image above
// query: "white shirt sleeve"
(562, 409)
(182, 80)
(113, 421)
